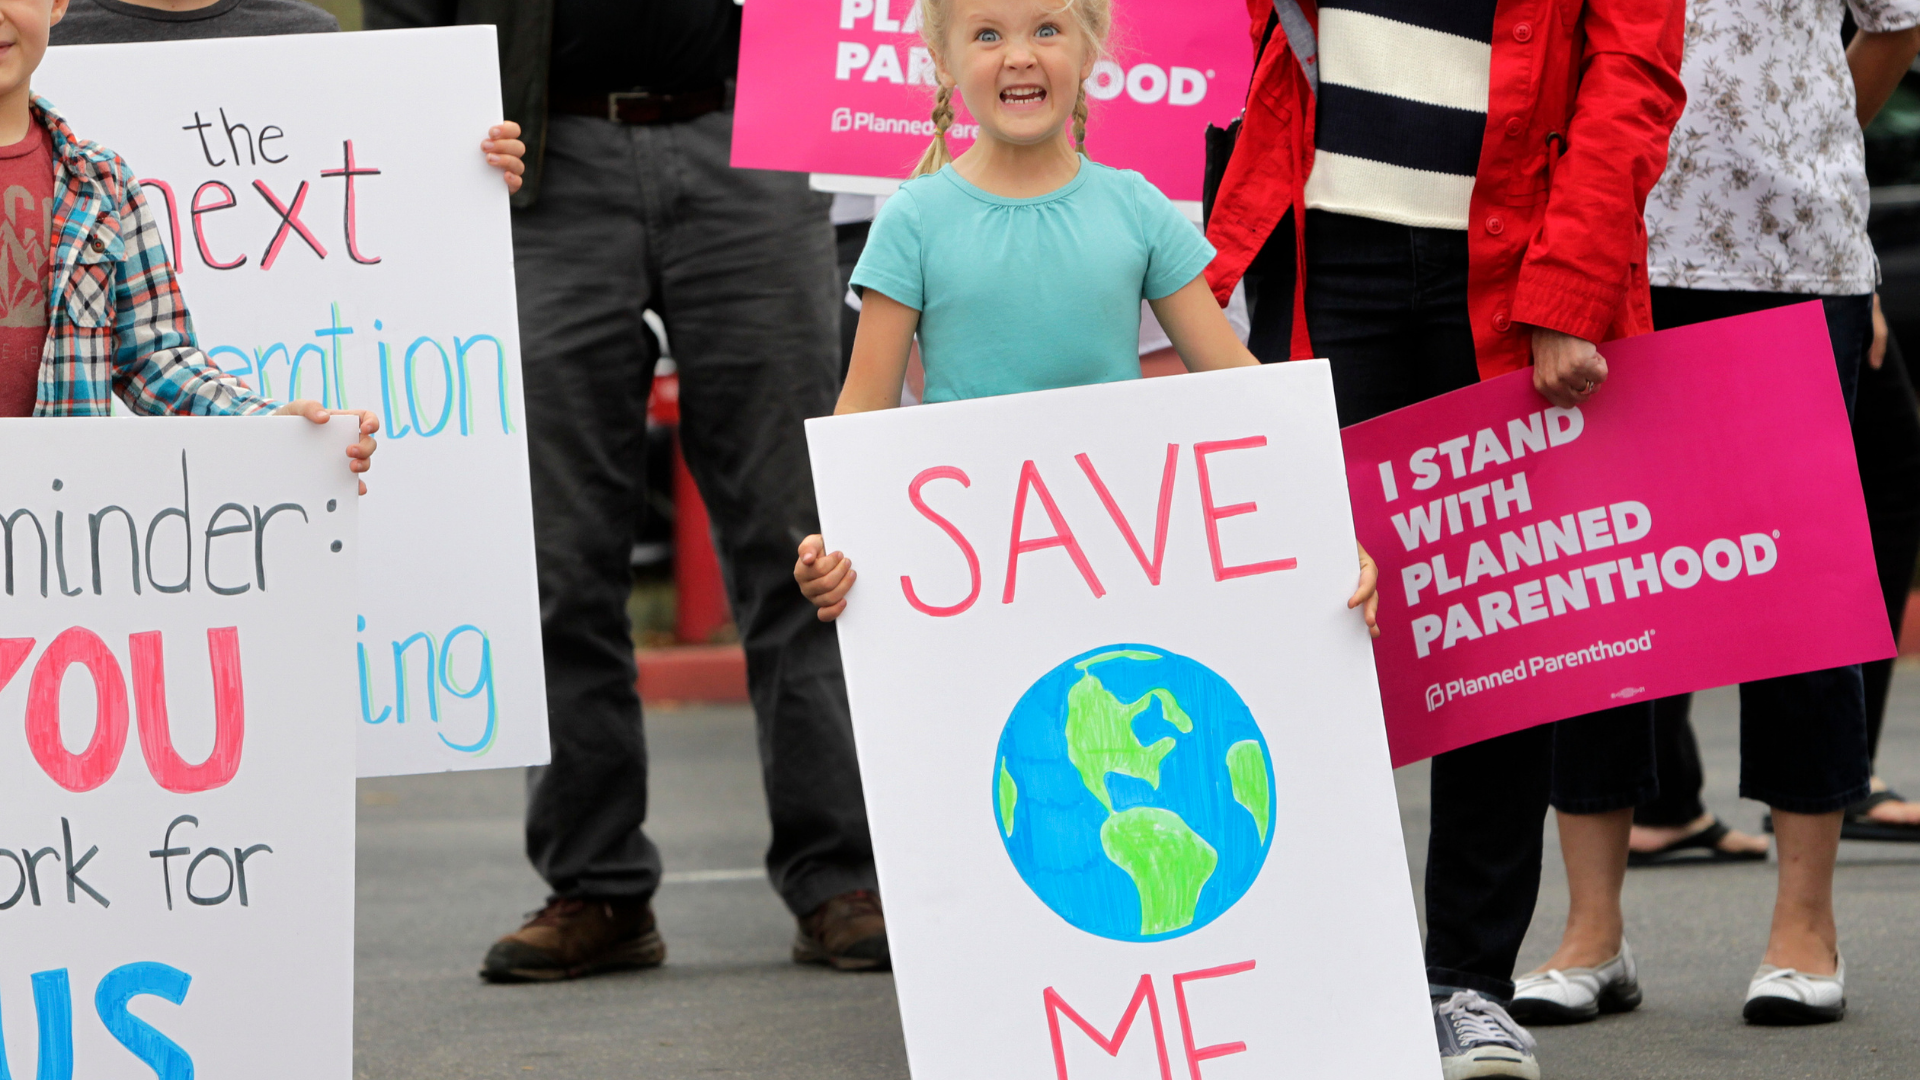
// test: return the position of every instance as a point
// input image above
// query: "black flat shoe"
(1857, 825)
(1701, 847)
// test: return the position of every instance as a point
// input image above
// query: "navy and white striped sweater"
(1403, 103)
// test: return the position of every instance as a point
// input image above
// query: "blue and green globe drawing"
(1134, 793)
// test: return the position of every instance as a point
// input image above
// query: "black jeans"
(1886, 440)
(740, 265)
(1387, 304)
(1803, 738)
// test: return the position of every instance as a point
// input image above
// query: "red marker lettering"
(229, 713)
(349, 171)
(1144, 992)
(1213, 514)
(289, 219)
(13, 653)
(91, 767)
(1160, 515)
(943, 472)
(1196, 1055)
(173, 220)
(200, 207)
(1062, 534)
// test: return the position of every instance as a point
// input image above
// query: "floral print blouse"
(1766, 182)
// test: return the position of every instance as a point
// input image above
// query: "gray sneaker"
(1478, 1038)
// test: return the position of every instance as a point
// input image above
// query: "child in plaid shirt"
(89, 307)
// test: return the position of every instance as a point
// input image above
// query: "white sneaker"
(1479, 1039)
(1577, 995)
(1780, 996)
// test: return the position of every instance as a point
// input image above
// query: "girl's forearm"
(880, 351)
(1199, 329)
(857, 399)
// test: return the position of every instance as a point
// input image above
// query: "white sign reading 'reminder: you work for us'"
(339, 236)
(176, 789)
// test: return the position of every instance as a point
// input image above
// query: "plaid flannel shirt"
(115, 321)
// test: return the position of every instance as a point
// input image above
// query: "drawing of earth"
(1134, 793)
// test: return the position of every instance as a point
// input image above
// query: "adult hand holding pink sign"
(1697, 523)
(847, 87)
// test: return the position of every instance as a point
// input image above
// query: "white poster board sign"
(176, 792)
(339, 236)
(1120, 736)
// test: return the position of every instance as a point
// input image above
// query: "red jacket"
(1582, 99)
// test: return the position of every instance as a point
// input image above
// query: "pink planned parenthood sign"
(1698, 523)
(846, 87)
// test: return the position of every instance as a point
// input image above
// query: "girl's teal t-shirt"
(1029, 294)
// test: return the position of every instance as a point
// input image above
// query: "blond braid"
(1080, 121)
(938, 155)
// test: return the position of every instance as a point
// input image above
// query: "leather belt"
(643, 106)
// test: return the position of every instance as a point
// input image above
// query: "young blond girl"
(1021, 265)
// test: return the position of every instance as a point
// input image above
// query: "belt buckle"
(616, 97)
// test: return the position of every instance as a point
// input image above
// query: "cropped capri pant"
(1804, 737)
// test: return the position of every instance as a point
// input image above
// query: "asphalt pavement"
(441, 874)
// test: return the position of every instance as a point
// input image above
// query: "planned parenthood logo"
(846, 120)
(1598, 652)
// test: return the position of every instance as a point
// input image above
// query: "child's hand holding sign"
(360, 454)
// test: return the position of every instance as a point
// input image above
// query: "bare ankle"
(1653, 837)
(1813, 958)
(1583, 951)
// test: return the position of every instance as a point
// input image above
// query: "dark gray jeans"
(740, 265)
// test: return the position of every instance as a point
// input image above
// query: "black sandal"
(1700, 847)
(1856, 825)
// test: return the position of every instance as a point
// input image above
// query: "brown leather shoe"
(847, 933)
(570, 938)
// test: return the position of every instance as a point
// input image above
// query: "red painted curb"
(1910, 627)
(692, 673)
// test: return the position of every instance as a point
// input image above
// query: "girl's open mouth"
(1023, 95)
